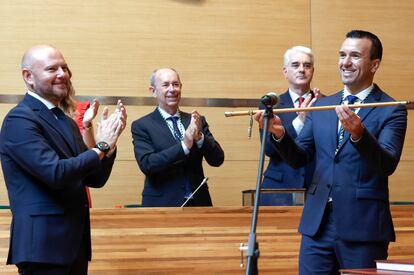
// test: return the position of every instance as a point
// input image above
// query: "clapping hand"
(193, 132)
(90, 114)
(308, 102)
(111, 126)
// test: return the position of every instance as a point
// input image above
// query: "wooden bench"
(200, 240)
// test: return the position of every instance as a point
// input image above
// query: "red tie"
(300, 100)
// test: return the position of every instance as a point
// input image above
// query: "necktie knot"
(352, 99)
(58, 112)
(174, 119)
(300, 101)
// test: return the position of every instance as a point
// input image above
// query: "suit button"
(328, 185)
(336, 160)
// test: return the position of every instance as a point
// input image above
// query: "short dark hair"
(376, 49)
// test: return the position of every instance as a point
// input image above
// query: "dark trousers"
(78, 267)
(325, 253)
(190, 203)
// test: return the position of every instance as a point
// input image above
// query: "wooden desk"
(200, 240)
(188, 240)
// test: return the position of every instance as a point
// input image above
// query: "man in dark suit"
(46, 165)
(170, 145)
(346, 221)
(298, 70)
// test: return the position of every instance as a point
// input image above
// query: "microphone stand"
(253, 252)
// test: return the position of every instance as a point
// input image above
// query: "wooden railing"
(200, 240)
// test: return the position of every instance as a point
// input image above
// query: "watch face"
(103, 146)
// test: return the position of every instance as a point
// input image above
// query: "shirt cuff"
(185, 149)
(279, 139)
(200, 142)
(354, 141)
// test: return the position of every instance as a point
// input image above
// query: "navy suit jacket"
(165, 165)
(278, 173)
(45, 174)
(357, 176)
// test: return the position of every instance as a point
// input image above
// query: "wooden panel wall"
(222, 49)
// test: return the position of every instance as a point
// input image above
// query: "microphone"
(192, 194)
(270, 99)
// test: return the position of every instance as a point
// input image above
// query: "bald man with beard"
(46, 166)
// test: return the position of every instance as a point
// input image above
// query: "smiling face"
(299, 71)
(355, 65)
(46, 73)
(167, 89)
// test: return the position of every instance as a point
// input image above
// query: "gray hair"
(154, 74)
(296, 49)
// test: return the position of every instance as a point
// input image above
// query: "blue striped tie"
(351, 100)
(176, 130)
(178, 137)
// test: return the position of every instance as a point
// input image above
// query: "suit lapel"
(373, 97)
(185, 119)
(286, 102)
(162, 126)
(47, 117)
(363, 113)
(334, 121)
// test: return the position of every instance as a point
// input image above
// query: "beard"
(54, 93)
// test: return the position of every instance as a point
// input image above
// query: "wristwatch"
(103, 146)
